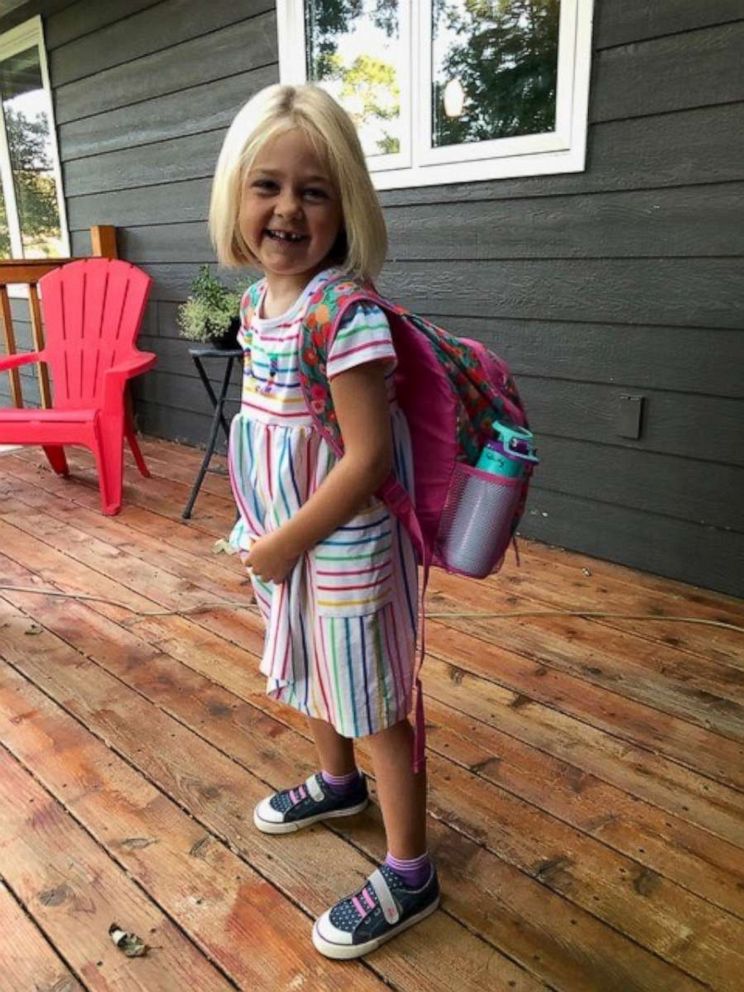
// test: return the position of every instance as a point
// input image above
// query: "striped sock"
(343, 785)
(414, 872)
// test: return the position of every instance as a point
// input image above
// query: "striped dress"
(341, 629)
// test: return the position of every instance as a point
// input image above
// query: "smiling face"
(290, 211)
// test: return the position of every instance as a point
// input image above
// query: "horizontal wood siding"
(626, 278)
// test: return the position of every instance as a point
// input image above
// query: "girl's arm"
(361, 403)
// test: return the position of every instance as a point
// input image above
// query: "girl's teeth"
(282, 236)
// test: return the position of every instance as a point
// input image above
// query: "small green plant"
(211, 311)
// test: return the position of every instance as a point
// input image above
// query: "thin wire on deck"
(228, 605)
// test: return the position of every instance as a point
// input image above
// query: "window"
(32, 219)
(448, 91)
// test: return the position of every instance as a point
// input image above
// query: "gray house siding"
(623, 279)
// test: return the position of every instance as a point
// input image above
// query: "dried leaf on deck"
(223, 546)
(33, 628)
(129, 943)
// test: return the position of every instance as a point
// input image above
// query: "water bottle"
(479, 528)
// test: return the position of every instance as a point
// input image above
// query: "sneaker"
(383, 907)
(314, 800)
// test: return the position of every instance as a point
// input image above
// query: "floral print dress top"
(341, 629)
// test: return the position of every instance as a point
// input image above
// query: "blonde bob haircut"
(362, 244)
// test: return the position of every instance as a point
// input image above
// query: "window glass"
(5, 249)
(27, 113)
(494, 69)
(354, 49)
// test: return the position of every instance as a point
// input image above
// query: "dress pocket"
(353, 567)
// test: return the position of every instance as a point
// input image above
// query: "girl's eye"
(264, 184)
(314, 193)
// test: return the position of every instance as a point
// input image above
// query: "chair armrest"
(140, 362)
(114, 379)
(8, 362)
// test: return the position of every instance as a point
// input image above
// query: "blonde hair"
(316, 114)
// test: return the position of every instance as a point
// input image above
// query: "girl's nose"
(288, 204)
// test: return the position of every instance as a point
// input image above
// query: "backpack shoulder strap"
(324, 312)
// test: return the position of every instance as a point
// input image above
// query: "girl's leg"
(336, 752)
(402, 794)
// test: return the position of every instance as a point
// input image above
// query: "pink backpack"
(451, 391)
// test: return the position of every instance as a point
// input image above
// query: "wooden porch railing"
(28, 271)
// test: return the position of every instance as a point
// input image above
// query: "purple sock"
(414, 873)
(343, 785)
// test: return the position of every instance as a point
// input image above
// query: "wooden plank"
(704, 692)
(154, 163)
(128, 40)
(619, 962)
(649, 152)
(560, 580)
(210, 104)
(589, 412)
(74, 892)
(27, 961)
(103, 241)
(685, 292)
(68, 25)
(683, 359)
(636, 20)
(521, 912)
(10, 346)
(641, 772)
(162, 495)
(709, 495)
(673, 424)
(661, 223)
(667, 223)
(712, 604)
(38, 334)
(535, 676)
(155, 204)
(715, 867)
(701, 556)
(236, 898)
(655, 77)
(643, 153)
(16, 270)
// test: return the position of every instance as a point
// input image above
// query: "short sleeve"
(363, 336)
(247, 304)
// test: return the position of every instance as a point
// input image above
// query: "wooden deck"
(586, 775)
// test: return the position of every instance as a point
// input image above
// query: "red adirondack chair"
(92, 311)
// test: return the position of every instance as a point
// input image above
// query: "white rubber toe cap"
(329, 934)
(266, 812)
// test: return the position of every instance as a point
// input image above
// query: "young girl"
(333, 572)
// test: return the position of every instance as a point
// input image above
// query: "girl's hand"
(268, 559)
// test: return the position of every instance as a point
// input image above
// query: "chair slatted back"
(92, 312)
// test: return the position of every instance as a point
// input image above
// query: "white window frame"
(420, 164)
(28, 35)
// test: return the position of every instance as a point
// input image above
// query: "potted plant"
(211, 313)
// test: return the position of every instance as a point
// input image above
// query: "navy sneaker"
(314, 800)
(383, 907)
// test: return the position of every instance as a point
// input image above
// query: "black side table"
(229, 356)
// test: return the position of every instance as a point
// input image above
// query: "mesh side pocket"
(475, 528)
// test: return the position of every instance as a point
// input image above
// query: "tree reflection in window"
(26, 114)
(5, 250)
(345, 40)
(500, 61)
